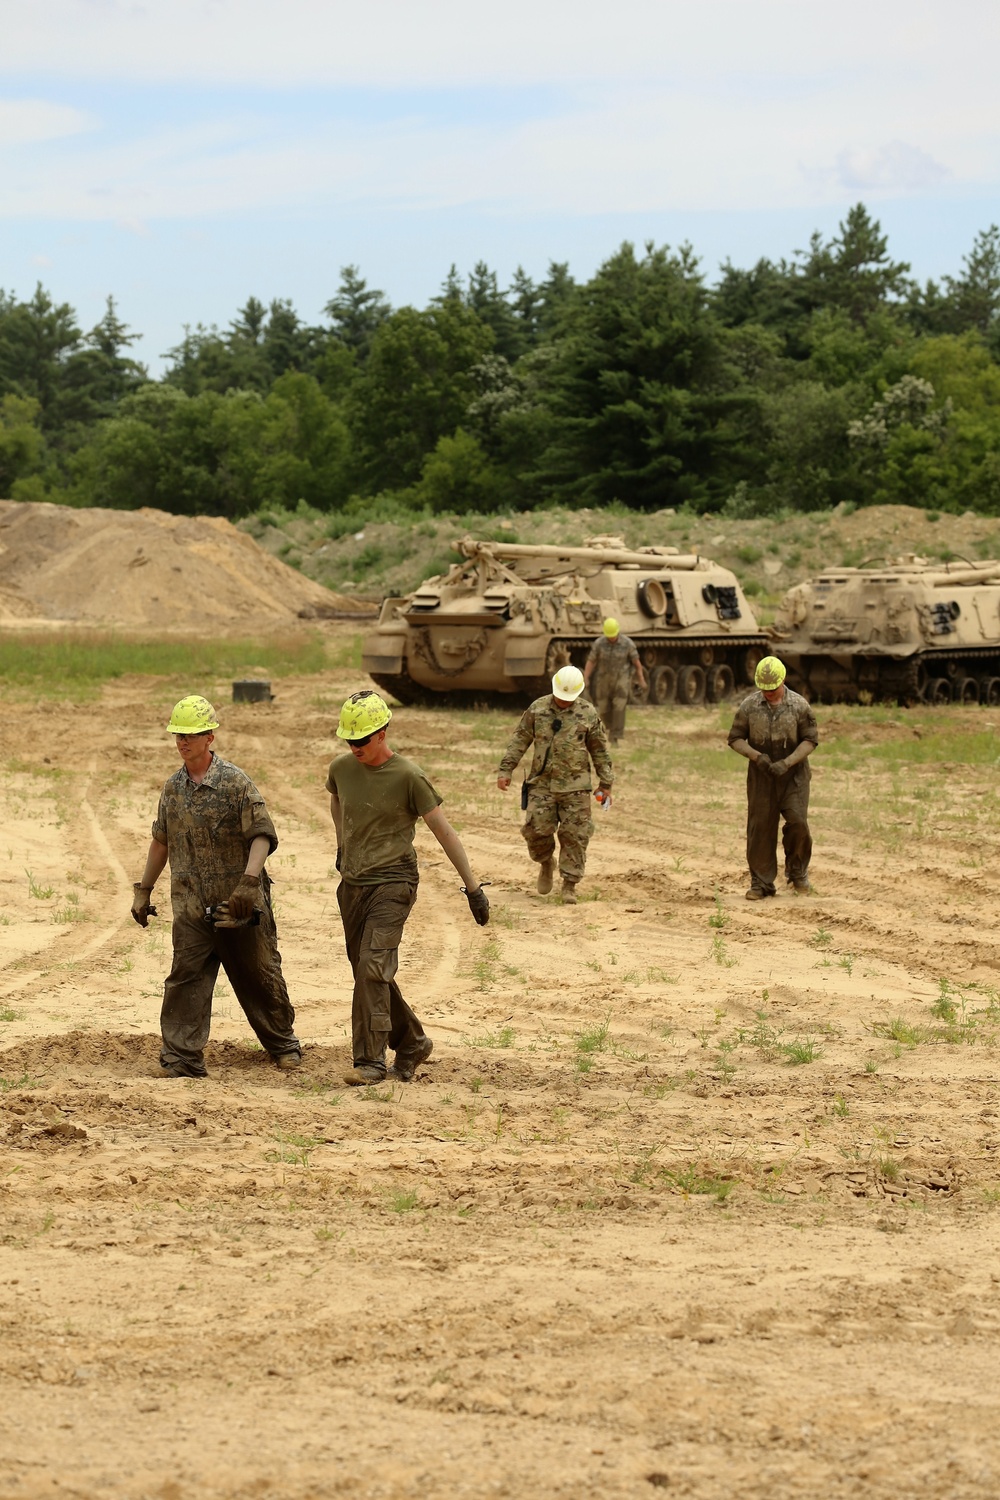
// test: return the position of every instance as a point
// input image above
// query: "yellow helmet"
(363, 714)
(192, 715)
(568, 684)
(770, 674)
(610, 628)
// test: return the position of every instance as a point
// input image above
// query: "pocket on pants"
(387, 936)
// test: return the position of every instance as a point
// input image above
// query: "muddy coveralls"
(380, 806)
(776, 730)
(208, 830)
(611, 681)
(566, 741)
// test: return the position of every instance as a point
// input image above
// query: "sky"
(183, 155)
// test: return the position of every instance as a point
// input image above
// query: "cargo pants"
(610, 698)
(569, 814)
(374, 917)
(769, 799)
(250, 958)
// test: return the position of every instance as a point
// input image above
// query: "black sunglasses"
(363, 740)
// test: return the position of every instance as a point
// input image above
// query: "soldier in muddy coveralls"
(376, 798)
(214, 829)
(776, 730)
(568, 735)
(608, 676)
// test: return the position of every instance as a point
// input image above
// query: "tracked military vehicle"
(507, 616)
(908, 632)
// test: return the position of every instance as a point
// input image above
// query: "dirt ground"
(694, 1196)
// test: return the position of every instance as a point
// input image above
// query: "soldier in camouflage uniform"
(610, 664)
(213, 827)
(776, 730)
(567, 735)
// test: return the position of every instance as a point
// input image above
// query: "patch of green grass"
(720, 953)
(501, 1039)
(292, 1148)
(691, 1180)
(720, 916)
(590, 1042)
(403, 1203)
(898, 1030)
(8, 1013)
(24, 1082)
(840, 1107)
(802, 1050)
(37, 891)
(74, 664)
(821, 938)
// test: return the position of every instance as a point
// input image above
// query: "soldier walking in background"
(610, 664)
(776, 730)
(376, 797)
(567, 735)
(214, 829)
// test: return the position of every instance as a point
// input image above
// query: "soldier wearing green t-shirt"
(376, 798)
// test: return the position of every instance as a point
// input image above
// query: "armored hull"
(507, 616)
(909, 632)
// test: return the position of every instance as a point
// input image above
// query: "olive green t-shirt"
(379, 806)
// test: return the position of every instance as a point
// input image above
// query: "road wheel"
(938, 691)
(752, 657)
(989, 691)
(662, 686)
(719, 683)
(691, 686)
(966, 690)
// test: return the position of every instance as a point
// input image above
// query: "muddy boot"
(406, 1064)
(545, 873)
(569, 896)
(357, 1077)
(802, 888)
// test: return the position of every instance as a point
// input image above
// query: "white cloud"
(392, 43)
(24, 121)
(895, 167)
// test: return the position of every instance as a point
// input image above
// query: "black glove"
(479, 904)
(763, 762)
(141, 909)
(779, 768)
(244, 898)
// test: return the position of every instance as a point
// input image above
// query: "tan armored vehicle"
(911, 631)
(507, 616)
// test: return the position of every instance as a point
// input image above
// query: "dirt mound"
(145, 568)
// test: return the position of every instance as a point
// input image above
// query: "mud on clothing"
(378, 888)
(569, 814)
(776, 730)
(208, 829)
(611, 681)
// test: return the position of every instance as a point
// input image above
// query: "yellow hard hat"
(363, 714)
(770, 674)
(192, 715)
(568, 684)
(610, 628)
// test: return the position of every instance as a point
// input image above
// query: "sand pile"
(145, 568)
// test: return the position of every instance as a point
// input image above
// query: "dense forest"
(832, 376)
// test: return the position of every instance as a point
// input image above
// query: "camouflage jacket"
(208, 830)
(566, 740)
(776, 730)
(613, 660)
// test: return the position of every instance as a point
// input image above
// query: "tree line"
(830, 376)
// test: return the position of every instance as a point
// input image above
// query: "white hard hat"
(568, 683)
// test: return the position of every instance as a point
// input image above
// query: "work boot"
(802, 888)
(178, 1070)
(545, 873)
(569, 896)
(407, 1063)
(287, 1060)
(755, 893)
(358, 1077)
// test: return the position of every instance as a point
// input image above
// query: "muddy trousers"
(611, 702)
(770, 798)
(250, 957)
(569, 814)
(374, 916)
